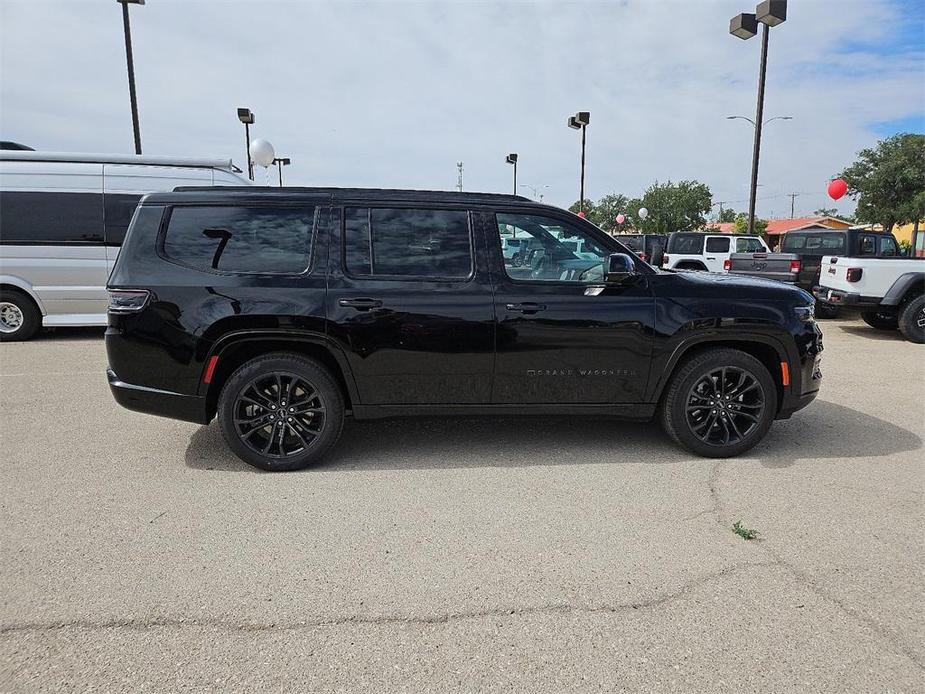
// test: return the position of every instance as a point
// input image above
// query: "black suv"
(282, 310)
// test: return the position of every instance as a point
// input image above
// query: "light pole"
(763, 124)
(769, 13)
(512, 159)
(580, 121)
(130, 63)
(280, 163)
(536, 190)
(246, 116)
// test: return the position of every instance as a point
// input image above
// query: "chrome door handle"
(526, 307)
(360, 304)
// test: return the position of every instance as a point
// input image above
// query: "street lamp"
(280, 163)
(130, 63)
(536, 190)
(769, 13)
(763, 124)
(580, 121)
(512, 159)
(246, 116)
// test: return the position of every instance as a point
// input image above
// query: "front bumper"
(850, 300)
(163, 403)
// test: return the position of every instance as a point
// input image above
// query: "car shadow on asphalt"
(65, 334)
(872, 333)
(822, 431)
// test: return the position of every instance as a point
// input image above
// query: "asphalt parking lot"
(462, 554)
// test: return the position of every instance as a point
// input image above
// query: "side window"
(51, 218)
(118, 209)
(407, 243)
(918, 244)
(867, 245)
(716, 244)
(241, 239)
(552, 251)
(888, 246)
(748, 246)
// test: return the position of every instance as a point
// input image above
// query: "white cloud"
(394, 94)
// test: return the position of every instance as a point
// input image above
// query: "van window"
(118, 209)
(51, 218)
(748, 246)
(240, 239)
(685, 244)
(717, 245)
(814, 244)
(407, 243)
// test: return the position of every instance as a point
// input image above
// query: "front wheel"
(281, 412)
(881, 320)
(19, 316)
(912, 320)
(720, 403)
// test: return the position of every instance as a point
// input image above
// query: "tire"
(826, 310)
(19, 316)
(750, 417)
(255, 393)
(881, 320)
(696, 267)
(912, 320)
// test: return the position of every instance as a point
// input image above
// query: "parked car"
(281, 310)
(887, 289)
(649, 247)
(63, 219)
(800, 261)
(694, 250)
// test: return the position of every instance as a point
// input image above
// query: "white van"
(694, 250)
(62, 220)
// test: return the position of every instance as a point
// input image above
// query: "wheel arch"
(690, 265)
(236, 349)
(9, 282)
(906, 287)
(765, 348)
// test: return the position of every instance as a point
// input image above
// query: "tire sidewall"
(908, 325)
(305, 368)
(31, 318)
(690, 374)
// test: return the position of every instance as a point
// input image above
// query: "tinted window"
(867, 245)
(814, 244)
(51, 218)
(407, 243)
(717, 245)
(888, 246)
(748, 245)
(240, 239)
(685, 243)
(634, 243)
(118, 209)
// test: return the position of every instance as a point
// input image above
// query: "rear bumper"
(849, 300)
(163, 403)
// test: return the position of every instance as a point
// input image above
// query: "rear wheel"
(881, 320)
(19, 316)
(720, 403)
(281, 412)
(912, 320)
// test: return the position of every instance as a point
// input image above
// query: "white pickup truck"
(888, 292)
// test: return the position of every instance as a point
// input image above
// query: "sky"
(394, 94)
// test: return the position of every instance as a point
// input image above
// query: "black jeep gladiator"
(282, 310)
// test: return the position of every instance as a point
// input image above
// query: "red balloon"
(581, 214)
(837, 188)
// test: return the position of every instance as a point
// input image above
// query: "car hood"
(740, 287)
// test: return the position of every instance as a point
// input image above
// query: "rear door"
(409, 302)
(51, 230)
(716, 252)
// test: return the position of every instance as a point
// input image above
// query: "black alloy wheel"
(724, 406)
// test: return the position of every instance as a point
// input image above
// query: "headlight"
(805, 313)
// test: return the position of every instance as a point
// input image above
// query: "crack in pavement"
(549, 608)
(887, 635)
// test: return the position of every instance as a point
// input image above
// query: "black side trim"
(631, 411)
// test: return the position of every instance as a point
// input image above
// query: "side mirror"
(620, 267)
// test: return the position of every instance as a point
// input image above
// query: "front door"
(410, 305)
(562, 336)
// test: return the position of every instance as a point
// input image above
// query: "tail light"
(727, 264)
(795, 266)
(854, 274)
(644, 257)
(127, 300)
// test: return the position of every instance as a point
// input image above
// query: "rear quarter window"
(686, 244)
(240, 239)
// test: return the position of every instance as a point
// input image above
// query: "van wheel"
(19, 316)
(281, 412)
(912, 320)
(881, 320)
(720, 403)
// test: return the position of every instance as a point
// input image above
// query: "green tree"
(590, 210)
(675, 207)
(727, 215)
(607, 209)
(741, 220)
(826, 212)
(888, 181)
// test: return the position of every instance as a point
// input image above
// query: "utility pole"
(459, 182)
(793, 197)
